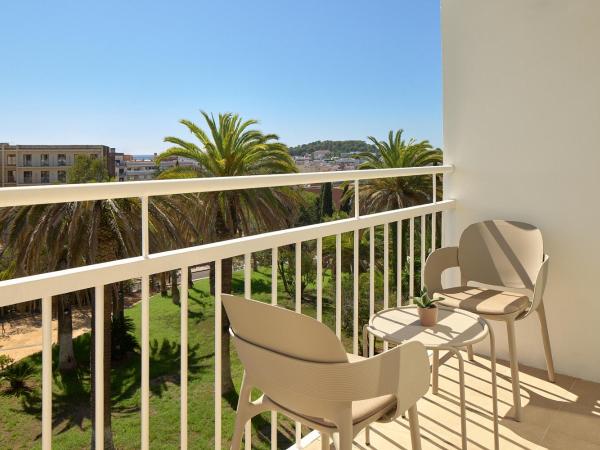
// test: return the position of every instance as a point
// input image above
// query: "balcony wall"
(521, 126)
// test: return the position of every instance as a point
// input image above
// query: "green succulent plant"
(425, 301)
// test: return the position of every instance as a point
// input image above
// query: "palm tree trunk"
(163, 284)
(66, 356)
(175, 288)
(108, 441)
(190, 281)
(119, 300)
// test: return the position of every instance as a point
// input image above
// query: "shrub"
(17, 374)
(122, 341)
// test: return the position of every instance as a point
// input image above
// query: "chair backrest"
(300, 364)
(283, 331)
(501, 253)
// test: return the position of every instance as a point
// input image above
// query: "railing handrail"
(36, 195)
(28, 288)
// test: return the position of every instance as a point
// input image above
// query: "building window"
(28, 177)
(62, 176)
(27, 161)
(44, 159)
(11, 160)
(45, 176)
(62, 159)
(11, 176)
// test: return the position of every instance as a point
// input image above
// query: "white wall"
(522, 127)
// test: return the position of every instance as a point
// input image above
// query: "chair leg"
(546, 339)
(241, 415)
(325, 441)
(238, 432)
(415, 432)
(435, 364)
(514, 368)
(345, 432)
(368, 435)
(470, 353)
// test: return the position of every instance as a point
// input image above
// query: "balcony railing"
(96, 276)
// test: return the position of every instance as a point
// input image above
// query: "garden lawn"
(20, 418)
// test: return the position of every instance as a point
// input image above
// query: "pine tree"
(326, 200)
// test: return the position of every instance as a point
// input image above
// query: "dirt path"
(23, 335)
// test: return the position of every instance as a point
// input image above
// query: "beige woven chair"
(304, 373)
(503, 272)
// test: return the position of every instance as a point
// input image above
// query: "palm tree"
(384, 194)
(51, 237)
(231, 148)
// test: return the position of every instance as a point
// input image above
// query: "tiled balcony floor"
(561, 415)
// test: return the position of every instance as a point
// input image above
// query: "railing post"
(423, 244)
(298, 307)
(184, 359)
(274, 265)
(356, 198)
(411, 256)
(145, 334)
(434, 215)
(99, 366)
(298, 277)
(274, 268)
(145, 237)
(145, 338)
(399, 263)
(355, 293)
(320, 279)
(248, 294)
(218, 361)
(371, 283)
(338, 285)
(47, 372)
(386, 271)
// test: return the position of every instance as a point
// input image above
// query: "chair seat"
(483, 301)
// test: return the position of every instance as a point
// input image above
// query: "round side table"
(454, 330)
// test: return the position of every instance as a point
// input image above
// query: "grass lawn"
(20, 420)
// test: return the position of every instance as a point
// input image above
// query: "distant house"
(321, 154)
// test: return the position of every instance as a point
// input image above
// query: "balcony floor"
(560, 415)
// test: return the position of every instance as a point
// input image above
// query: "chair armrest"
(436, 263)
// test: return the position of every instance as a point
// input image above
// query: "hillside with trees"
(335, 147)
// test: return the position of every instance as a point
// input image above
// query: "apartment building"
(46, 164)
(139, 167)
(145, 167)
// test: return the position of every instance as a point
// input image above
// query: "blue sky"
(122, 73)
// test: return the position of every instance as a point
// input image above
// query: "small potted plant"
(427, 308)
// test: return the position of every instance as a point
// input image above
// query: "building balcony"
(554, 414)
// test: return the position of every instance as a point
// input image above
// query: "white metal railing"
(46, 285)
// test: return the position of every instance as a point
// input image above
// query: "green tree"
(231, 147)
(86, 169)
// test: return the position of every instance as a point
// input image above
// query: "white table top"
(455, 327)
